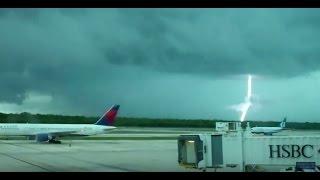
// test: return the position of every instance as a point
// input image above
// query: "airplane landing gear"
(53, 141)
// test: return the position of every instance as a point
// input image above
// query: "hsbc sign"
(292, 151)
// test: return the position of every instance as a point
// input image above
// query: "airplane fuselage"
(265, 130)
(16, 129)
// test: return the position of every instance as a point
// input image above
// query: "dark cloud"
(85, 57)
(223, 41)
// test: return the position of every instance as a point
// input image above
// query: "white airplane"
(51, 132)
(269, 130)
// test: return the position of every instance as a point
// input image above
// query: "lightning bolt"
(247, 102)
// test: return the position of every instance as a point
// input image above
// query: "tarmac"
(90, 156)
(95, 155)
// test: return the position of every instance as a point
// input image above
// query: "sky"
(161, 63)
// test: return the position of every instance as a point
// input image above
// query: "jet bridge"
(241, 151)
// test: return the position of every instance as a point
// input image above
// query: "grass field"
(140, 122)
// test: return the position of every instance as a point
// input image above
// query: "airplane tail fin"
(108, 117)
(283, 123)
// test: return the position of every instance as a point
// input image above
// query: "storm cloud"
(86, 59)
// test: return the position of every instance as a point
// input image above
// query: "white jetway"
(242, 151)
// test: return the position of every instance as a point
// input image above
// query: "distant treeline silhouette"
(139, 122)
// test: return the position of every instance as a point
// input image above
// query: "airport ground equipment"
(227, 126)
(240, 151)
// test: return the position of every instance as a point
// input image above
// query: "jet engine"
(47, 138)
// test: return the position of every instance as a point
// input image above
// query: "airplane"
(269, 130)
(51, 132)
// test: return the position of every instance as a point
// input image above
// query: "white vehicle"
(269, 130)
(51, 132)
